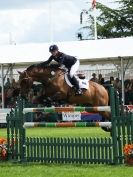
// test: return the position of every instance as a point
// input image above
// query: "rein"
(27, 76)
(50, 79)
(58, 75)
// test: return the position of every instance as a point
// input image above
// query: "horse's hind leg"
(106, 116)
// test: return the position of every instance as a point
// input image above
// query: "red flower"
(3, 141)
(3, 152)
(128, 149)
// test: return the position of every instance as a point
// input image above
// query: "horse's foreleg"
(58, 96)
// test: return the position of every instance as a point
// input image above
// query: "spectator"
(100, 79)
(117, 85)
(14, 84)
(8, 96)
(130, 90)
(127, 83)
(111, 80)
(7, 84)
(94, 78)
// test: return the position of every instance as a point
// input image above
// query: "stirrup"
(79, 92)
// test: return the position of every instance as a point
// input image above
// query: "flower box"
(128, 154)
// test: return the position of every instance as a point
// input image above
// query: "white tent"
(87, 51)
(115, 51)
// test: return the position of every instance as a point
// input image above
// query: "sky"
(35, 21)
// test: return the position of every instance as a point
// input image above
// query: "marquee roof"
(88, 51)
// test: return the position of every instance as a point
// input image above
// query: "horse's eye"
(52, 73)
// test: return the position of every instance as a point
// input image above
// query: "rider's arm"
(67, 58)
(62, 58)
(48, 61)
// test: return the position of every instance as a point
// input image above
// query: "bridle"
(50, 79)
(27, 77)
(54, 75)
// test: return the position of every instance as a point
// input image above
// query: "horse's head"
(38, 73)
(43, 73)
(22, 75)
(25, 83)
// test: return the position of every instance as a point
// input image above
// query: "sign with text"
(128, 108)
(71, 116)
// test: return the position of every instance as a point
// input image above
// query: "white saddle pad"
(83, 83)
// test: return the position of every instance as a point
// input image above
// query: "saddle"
(83, 82)
(81, 75)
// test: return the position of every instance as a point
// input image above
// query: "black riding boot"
(76, 84)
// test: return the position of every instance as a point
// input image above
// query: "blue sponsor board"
(90, 117)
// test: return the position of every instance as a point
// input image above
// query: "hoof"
(106, 129)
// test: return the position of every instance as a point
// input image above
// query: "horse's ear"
(19, 72)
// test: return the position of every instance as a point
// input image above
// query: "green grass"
(63, 132)
(58, 170)
(67, 132)
(2, 132)
(33, 170)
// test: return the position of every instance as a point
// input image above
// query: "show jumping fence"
(3, 114)
(68, 109)
(105, 150)
(67, 124)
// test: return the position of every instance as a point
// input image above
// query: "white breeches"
(74, 69)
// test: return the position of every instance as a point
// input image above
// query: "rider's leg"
(76, 84)
(73, 70)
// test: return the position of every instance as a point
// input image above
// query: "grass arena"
(67, 170)
(72, 151)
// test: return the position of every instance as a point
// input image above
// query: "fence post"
(120, 127)
(114, 125)
(22, 137)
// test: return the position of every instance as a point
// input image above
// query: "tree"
(126, 14)
(111, 23)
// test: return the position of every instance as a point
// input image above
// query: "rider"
(70, 62)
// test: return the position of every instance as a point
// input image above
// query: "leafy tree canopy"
(111, 23)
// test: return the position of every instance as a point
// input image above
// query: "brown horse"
(55, 86)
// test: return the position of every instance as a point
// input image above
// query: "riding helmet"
(53, 48)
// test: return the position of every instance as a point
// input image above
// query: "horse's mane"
(31, 67)
(54, 66)
(42, 66)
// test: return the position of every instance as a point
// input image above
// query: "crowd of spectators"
(9, 96)
(116, 82)
(36, 92)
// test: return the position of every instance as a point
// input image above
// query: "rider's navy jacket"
(62, 58)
